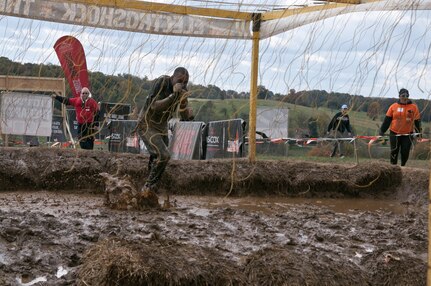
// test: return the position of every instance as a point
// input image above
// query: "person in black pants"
(339, 124)
(402, 119)
(168, 97)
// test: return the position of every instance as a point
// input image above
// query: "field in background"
(303, 154)
(299, 118)
(209, 110)
(218, 109)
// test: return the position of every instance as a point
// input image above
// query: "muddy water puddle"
(271, 206)
(54, 203)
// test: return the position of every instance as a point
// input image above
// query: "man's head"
(344, 108)
(181, 75)
(85, 93)
(403, 95)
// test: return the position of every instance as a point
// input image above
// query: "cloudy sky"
(369, 54)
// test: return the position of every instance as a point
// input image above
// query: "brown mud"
(232, 223)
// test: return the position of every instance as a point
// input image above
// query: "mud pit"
(284, 223)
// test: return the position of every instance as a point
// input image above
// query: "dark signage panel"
(57, 130)
(112, 111)
(187, 141)
(121, 138)
(224, 139)
(115, 111)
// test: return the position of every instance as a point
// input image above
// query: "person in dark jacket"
(87, 112)
(167, 97)
(339, 125)
(402, 119)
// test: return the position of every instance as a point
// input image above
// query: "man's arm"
(418, 128)
(385, 125)
(166, 103)
(417, 121)
(331, 124)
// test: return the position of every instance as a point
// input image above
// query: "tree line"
(127, 88)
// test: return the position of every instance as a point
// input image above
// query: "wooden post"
(429, 233)
(356, 152)
(253, 89)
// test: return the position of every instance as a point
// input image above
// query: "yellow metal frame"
(227, 14)
(253, 98)
(168, 8)
(291, 12)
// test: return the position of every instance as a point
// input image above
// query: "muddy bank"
(66, 236)
(63, 169)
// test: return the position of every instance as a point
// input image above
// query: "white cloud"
(362, 53)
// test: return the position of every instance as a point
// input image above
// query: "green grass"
(298, 115)
(295, 155)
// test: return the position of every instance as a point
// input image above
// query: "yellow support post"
(253, 89)
(429, 233)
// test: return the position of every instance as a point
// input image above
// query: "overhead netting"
(314, 56)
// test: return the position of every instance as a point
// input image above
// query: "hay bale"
(119, 262)
(395, 267)
(282, 266)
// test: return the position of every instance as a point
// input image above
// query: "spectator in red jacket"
(87, 110)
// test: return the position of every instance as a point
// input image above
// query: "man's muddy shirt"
(158, 120)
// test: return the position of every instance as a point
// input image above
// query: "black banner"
(186, 142)
(121, 138)
(111, 111)
(57, 130)
(31, 141)
(224, 139)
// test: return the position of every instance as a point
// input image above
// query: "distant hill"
(131, 89)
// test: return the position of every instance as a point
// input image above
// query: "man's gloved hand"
(179, 94)
(178, 87)
(175, 97)
(183, 102)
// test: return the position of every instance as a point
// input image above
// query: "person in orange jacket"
(402, 119)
